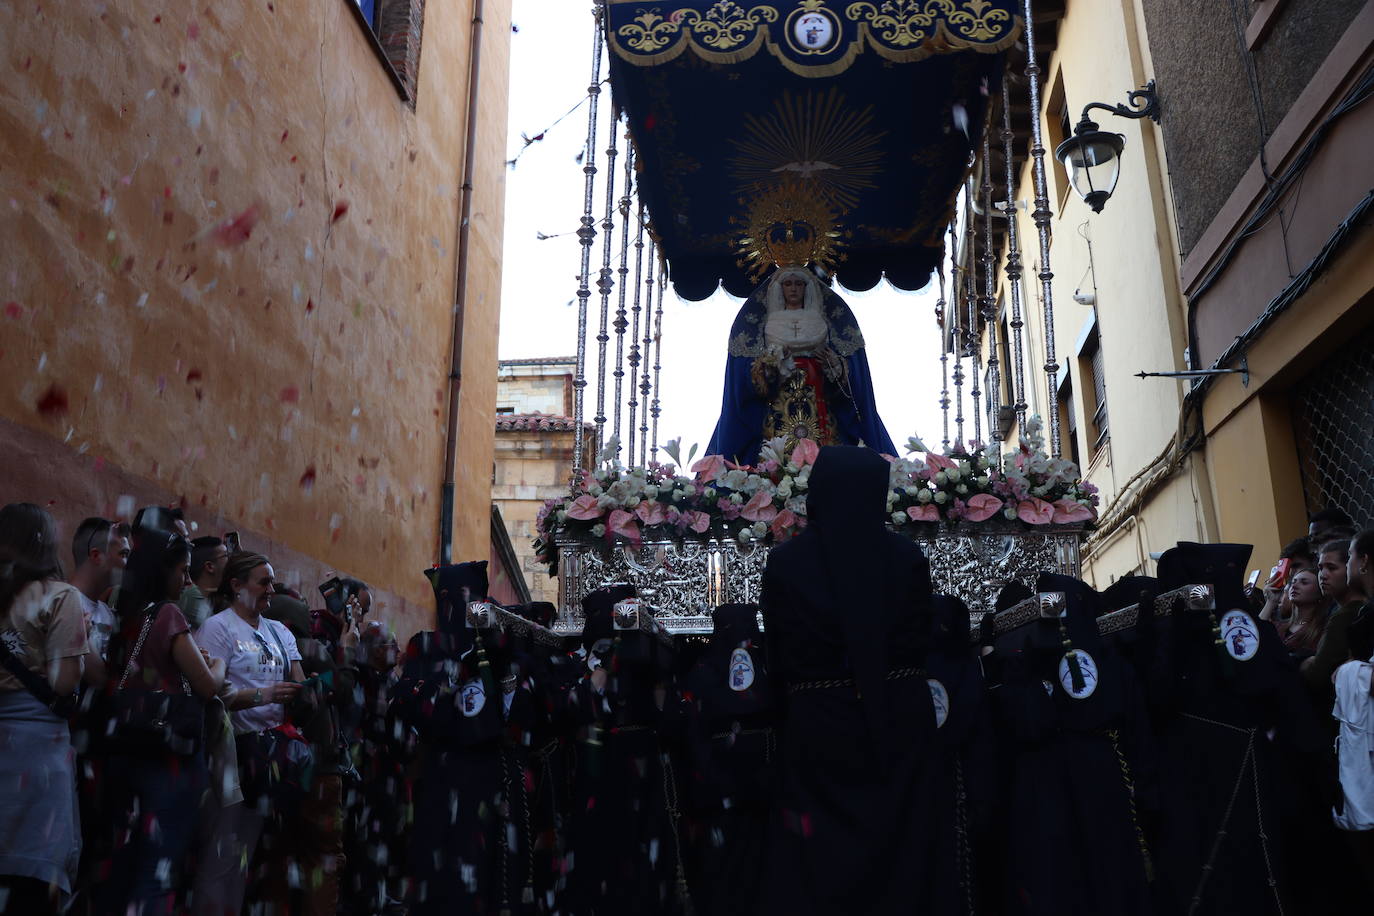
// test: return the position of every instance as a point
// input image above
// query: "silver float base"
(682, 581)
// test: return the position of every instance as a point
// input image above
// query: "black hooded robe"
(847, 614)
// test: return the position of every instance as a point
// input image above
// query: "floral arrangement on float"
(766, 503)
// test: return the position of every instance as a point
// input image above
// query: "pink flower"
(939, 462)
(956, 509)
(783, 524)
(1035, 511)
(623, 523)
(926, 513)
(805, 452)
(585, 509)
(1068, 510)
(759, 508)
(696, 520)
(982, 507)
(674, 515)
(651, 512)
(729, 509)
(709, 468)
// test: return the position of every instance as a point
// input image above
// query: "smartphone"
(1253, 580)
(1280, 576)
(231, 540)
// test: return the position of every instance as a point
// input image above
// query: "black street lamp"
(1092, 156)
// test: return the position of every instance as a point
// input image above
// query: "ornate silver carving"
(683, 581)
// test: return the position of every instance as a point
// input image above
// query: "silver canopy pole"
(1013, 258)
(586, 234)
(658, 353)
(989, 301)
(624, 271)
(604, 283)
(1041, 215)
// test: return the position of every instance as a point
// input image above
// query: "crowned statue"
(796, 369)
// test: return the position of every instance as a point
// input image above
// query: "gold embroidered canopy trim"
(811, 38)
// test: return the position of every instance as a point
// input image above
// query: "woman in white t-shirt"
(264, 672)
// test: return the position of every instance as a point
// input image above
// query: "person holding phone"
(264, 674)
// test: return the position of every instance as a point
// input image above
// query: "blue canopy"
(863, 109)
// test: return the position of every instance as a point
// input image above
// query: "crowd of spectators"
(182, 733)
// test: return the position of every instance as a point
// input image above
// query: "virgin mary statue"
(796, 369)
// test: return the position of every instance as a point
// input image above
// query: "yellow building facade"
(1160, 283)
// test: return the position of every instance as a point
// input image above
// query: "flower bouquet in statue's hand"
(766, 503)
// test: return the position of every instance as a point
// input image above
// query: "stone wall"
(227, 266)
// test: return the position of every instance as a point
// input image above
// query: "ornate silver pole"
(1013, 257)
(975, 345)
(624, 272)
(1041, 215)
(944, 356)
(634, 341)
(634, 337)
(645, 387)
(604, 283)
(989, 301)
(956, 330)
(586, 234)
(658, 352)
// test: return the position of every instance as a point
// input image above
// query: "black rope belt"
(897, 674)
(721, 736)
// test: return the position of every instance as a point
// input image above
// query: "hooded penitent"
(846, 609)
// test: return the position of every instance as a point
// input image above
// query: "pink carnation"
(585, 509)
(759, 508)
(982, 507)
(1067, 511)
(1035, 511)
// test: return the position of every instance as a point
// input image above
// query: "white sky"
(550, 70)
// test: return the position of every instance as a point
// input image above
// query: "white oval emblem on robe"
(1087, 666)
(472, 697)
(741, 670)
(1239, 635)
(939, 698)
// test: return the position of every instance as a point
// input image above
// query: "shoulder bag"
(144, 721)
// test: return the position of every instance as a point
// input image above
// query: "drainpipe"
(455, 374)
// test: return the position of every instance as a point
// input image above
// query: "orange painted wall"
(199, 360)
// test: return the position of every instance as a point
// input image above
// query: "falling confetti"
(53, 402)
(340, 211)
(308, 479)
(237, 230)
(14, 310)
(290, 394)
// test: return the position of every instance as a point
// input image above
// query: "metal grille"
(1333, 425)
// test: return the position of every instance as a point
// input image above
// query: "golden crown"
(789, 225)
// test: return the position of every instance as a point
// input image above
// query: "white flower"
(911, 490)
(954, 474)
(760, 529)
(561, 516)
(942, 497)
(599, 530)
(650, 491)
(785, 488)
(899, 518)
(734, 479)
(595, 490)
(611, 449)
(1009, 514)
(745, 536)
(689, 489)
(797, 504)
(737, 499)
(710, 493)
(914, 444)
(923, 496)
(941, 478)
(961, 490)
(889, 505)
(804, 478)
